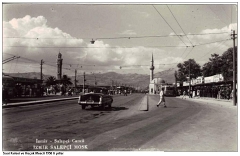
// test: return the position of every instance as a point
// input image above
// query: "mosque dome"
(158, 81)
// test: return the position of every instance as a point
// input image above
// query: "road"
(182, 126)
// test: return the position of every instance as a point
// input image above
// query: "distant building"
(155, 83)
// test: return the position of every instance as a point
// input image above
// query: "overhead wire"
(124, 37)
(212, 42)
(184, 51)
(112, 47)
(91, 47)
(168, 24)
(188, 53)
(15, 64)
(214, 47)
(47, 63)
(225, 12)
(216, 15)
(179, 24)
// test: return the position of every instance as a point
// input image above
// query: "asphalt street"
(61, 126)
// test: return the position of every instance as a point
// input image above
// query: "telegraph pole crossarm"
(10, 59)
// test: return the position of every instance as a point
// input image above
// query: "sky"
(125, 35)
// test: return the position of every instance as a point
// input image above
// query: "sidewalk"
(23, 101)
(222, 102)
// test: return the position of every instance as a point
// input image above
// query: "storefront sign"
(199, 80)
(208, 79)
(193, 81)
(217, 78)
(185, 83)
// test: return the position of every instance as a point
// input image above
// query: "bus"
(8, 87)
(169, 90)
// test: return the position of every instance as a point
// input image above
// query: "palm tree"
(51, 80)
(66, 80)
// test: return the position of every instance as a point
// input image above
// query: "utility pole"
(84, 82)
(41, 75)
(75, 81)
(189, 77)
(234, 71)
(95, 81)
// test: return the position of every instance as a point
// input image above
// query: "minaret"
(151, 69)
(59, 66)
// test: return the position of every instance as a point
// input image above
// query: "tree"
(220, 65)
(207, 69)
(51, 80)
(213, 66)
(183, 70)
(66, 81)
(227, 67)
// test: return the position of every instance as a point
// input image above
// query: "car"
(95, 99)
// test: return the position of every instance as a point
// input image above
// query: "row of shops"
(18, 86)
(212, 86)
(25, 87)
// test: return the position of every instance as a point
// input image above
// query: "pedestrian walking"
(30, 92)
(184, 94)
(228, 93)
(125, 92)
(162, 99)
(190, 94)
(198, 93)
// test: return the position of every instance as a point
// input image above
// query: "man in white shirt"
(162, 99)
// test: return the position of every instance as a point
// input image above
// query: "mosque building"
(155, 83)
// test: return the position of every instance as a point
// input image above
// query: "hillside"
(136, 80)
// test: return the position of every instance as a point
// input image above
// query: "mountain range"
(109, 78)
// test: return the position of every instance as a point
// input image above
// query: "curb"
(207, 99)
(210, 101)
(35, 102)
(144, 104)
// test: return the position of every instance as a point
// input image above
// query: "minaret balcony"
(152, 68)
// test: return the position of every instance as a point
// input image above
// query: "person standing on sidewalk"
(162, 99)
(190, 94)
(184, 94)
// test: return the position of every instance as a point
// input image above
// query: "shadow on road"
(106, 109)
(169, 107)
